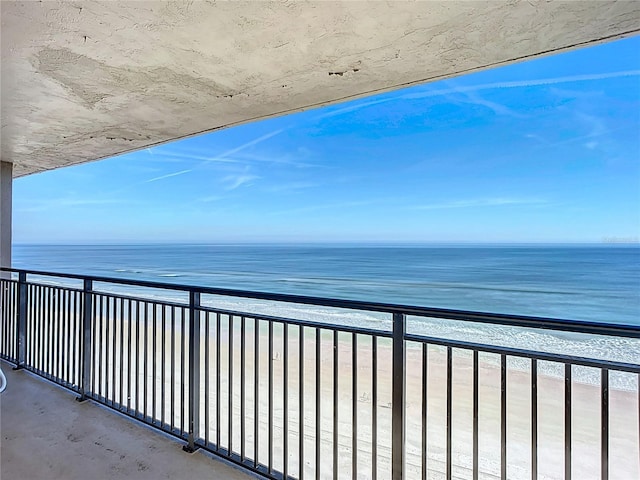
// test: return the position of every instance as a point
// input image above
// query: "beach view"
(597, 283)
(428, 271)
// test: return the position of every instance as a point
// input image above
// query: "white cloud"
(58, 203)
(330, 206)
(487, 86)
(499, 109)
(480, 202)
(237, 181)
(246, 145)
(353, 108)
(211, 198)
(291, 187)
(228, 156)
(523, 83)
(175, 174)
(183, 155)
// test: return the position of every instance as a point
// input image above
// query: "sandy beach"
(623, 426)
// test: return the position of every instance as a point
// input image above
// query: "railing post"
(85, 360)
(194, 371)
(398, 400)
(21, 321)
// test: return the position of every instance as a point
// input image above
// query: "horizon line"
(609, 243)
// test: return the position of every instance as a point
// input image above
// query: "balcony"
(395, 393)
(76, 441)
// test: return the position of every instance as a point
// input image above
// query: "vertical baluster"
(48, 336)
(30, 327)
(374, 408)
(604, 422)
(56, 329)
(230, 389)
(129, 364)
(41, 330)
(256, 389)
(163, 370)
(122, 367)
(111, 339)
(398, 402)
(60, 334)
(285, 401)
(154, 360)
(242, 386)
(194, 369)
(206, 379)
(318, 396)
(145, 361)
(270, 462)
(52, 334)
(21, 321)
(476, 367)
(86, 380)
(335, 404)
(100, 344)
(173, 369)
(354, 406)
(449, 410)
(567, 421)
(503, 417)
(29, 330)
(218, 373)
(45, 337)
(183, 348)
(425, 391)
(67, 309)
(5, 306)
(301, 403)
(5, 310)
(77, 337)
(9, 337)
(534, 419)
(138, 306)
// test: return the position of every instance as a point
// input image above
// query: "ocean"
(598, 283)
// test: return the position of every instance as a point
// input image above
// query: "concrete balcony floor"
(46, 434)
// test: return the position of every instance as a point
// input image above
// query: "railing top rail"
(524, 353)
(578, 326)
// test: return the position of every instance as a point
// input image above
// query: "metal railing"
(308, 398)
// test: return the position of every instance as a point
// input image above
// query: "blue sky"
(542, 151)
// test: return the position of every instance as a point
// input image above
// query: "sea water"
(599, 283)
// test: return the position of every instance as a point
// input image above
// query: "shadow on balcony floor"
(46, 434)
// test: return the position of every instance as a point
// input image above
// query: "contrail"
(167, 176)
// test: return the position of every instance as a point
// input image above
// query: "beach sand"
(623, 428)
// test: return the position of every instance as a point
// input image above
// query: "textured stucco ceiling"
(86, 80)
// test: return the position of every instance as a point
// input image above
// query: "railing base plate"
(189, 449)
